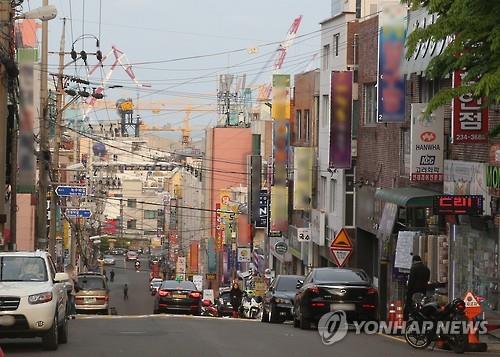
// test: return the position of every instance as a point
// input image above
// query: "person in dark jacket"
(417, 282)
(236, 295)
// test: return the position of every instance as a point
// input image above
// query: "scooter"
(427, 319)
(137, 265)
(208, 309)
(251, 307)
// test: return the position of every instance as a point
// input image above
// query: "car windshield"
(108, 257)
(22, 269)
(287, 283)
(225, 296)
(175, 285)
(91, 283)
(341, 276)
(156, 283)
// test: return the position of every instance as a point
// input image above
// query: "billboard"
(281, 96)
(340, 120)
(427, 144)
(302, 177)
(469, 119)
(390, 81)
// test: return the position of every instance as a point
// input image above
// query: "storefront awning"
(406, 196)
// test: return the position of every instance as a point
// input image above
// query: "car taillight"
(313, 289)
(371, 291)
(318, 304)
(195, 295)
(163, 293)
(368, 306)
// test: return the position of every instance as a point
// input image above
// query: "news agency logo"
(332, 327)
(427, 160)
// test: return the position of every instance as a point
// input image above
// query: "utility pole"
(44, 153)
(13, 174)
(57, 143)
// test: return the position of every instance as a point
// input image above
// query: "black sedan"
(333, 289)
(278, 300)
(224, 307)
(177, 296)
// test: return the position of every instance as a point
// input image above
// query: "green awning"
(406, 196)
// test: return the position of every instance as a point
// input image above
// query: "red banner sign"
(219, 229)
(470, 121)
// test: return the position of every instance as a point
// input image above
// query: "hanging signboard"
(404, 249)
(427, 144)
(471, 205)
(469, 119)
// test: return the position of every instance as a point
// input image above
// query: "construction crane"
(279, 58)
(185, 129)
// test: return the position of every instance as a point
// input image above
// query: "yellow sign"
(66, 239)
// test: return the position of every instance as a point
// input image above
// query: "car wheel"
(272, 314)
(265, 316)
(50, 338)
(305, 324)
(296, 323)
(63, 332)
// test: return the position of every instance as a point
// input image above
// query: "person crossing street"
(125, 292)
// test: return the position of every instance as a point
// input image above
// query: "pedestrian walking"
(417, 282)
(125, 292)
(112, 275)
(236, 295)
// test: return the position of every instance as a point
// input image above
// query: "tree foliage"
(473, 27)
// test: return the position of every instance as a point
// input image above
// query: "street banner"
(390, 81)
(427, 144)
(340, 120)
(302, 177)
(469, 118)
(219, 228)
(263, 210)
(279, 209)
(281, 97)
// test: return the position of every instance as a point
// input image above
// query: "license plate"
(89, 300)
(344, 307)
(7, 320)
(177, 296)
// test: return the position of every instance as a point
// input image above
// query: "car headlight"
(281, 301)
(40, 298)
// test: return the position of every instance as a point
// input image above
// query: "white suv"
(33, 298)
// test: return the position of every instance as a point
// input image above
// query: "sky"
(157, 35)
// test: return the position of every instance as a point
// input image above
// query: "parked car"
(331, 289)
(278, 301)
(92, 293)
(223, 304)
(132, 255)
(179, 297)
(33, 298)
(109, 260)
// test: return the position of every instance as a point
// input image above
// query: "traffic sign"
(304, 234)
(68, 191)
(472, 306)
(78, 213)
(341, 248)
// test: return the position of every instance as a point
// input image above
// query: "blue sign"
(68, 191)
(78, 213)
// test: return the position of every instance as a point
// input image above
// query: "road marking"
(111, 317)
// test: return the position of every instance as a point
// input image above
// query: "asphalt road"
(209, 337)
(140, 301)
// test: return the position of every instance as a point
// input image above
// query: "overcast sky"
(161, 30)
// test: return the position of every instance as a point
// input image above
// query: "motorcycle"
(251, 307)
(208, 309)
(137, 266)
(429, 322)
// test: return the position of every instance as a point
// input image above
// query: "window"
(131, 224)
(307, 125)
(336, 38)
(326, 57)
(370, 103)
(405, 153)
(322, 194)
(325, 110)
(333, 184)
(132, 203)
(298, 125)
(150, 214)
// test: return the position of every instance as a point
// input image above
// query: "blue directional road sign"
(68, 191)
(78, 213)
